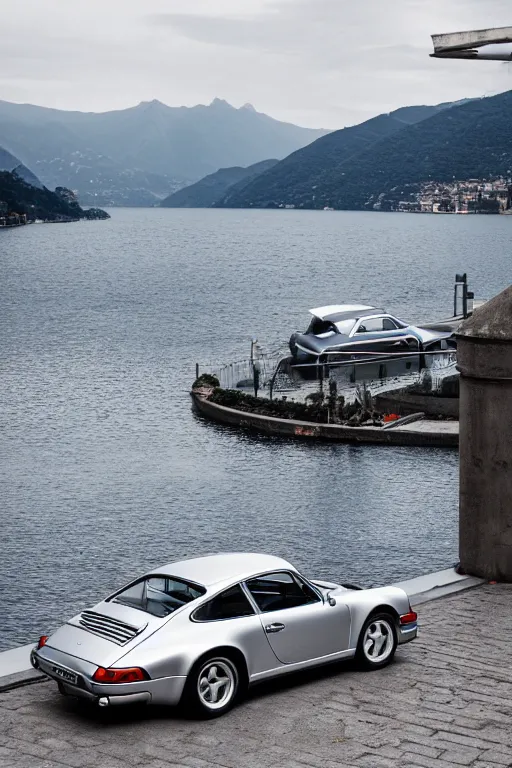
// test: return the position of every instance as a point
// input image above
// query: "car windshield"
(159, 595)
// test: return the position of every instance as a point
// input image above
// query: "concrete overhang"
(487, 44)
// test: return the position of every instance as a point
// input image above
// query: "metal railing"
(239, 374)
(274, 375)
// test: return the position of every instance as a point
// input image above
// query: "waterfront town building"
(470, 196)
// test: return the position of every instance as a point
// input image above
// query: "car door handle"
(270, 628)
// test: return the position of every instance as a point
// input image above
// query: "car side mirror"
(331, 600)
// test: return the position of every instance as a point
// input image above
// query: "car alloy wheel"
(377, 642)
(212, 687)
(217, 683)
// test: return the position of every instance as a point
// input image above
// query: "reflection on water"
(105, 471)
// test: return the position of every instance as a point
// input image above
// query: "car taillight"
(42, 641)
(408, 618)
(130, 675)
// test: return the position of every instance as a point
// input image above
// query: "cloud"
(316, 62)
(319, 30)
(374, 52)
(325, 30)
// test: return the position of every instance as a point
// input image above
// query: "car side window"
(373, 324)
(276, 591)
(231, 604)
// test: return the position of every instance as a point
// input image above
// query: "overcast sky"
(321, 63)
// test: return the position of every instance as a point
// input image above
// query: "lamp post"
(256, 365)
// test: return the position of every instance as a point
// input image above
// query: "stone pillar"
(484, 359)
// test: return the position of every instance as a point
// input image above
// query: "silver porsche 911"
(200, 631)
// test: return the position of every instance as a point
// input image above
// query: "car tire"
(213, 687)
(377, 642)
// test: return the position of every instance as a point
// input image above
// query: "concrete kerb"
(429, 434)
(423, 589)
(16, 670)
(20, 679)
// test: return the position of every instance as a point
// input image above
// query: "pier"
(434, 434)
(346, 396)
(10, 220)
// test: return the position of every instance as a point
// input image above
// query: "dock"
(427, 433)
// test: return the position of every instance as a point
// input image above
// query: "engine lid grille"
(105, 626)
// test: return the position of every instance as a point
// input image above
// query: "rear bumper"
(141, 697)
(163, 690)
(407, 633)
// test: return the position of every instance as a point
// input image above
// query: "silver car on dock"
(344, 332)
(198, 632)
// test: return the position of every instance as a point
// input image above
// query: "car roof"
(228, 566)
(335, 309)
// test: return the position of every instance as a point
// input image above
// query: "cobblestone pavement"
(445, 702)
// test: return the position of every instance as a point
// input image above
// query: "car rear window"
(158, 595)
(318, 326)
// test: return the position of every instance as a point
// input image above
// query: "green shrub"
(206, 380)
(282, 409)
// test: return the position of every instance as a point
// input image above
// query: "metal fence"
(280, 376)
(239, 374)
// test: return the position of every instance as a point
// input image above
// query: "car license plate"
(64, 674)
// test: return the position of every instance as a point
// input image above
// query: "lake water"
(105, 471)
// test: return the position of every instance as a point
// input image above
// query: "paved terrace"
(445, 702)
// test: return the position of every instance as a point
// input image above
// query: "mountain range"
(139, 155)
(375, 165)
(232, 186)
(207, 192)
(142, 155)
(302, 171)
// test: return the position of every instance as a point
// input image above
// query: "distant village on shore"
(471, 196)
